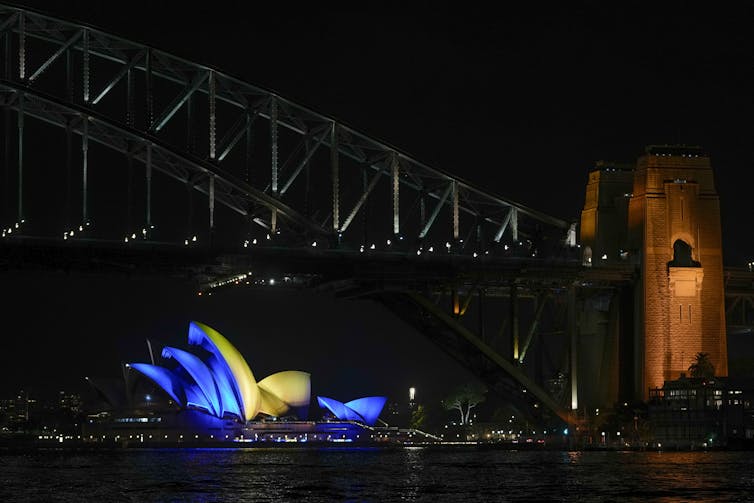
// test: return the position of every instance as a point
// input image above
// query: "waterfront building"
(700, 412)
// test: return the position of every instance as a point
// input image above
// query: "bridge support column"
(480, 295)
(456, 230)
(335, 171)
(69, 173)
(213, 123)
(211, 208)
(21, 46)
(20, 157)
(6, 153)
(6, 166)
(149, 189)
(85, 170)
(274, 145)
(573, 337)
(514, 321)
(395, 173)
(85, 67)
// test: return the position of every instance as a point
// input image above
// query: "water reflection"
(376, 475)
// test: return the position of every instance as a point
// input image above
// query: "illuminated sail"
(222, 383)
(365, 410)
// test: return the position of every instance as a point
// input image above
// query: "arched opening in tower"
(682, 255)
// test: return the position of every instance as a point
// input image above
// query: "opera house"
(210, 394)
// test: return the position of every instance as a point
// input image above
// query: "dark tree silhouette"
(702, 367)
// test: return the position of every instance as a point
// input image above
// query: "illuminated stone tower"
(603, 219)
(674, 227)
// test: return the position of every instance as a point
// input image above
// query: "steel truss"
(241, 146)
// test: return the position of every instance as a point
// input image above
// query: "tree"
(702, 366)
(463, 399)
(419, 417)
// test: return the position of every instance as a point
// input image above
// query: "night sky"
(521, 102)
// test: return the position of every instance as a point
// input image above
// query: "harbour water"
(374, 474)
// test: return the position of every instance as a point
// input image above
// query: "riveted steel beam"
(395, 174)
(20, 125)
(56, 55)
(440, 202)
(274, 144)
(361, 201)
(179, 100)
(304, 162)
(456, 229)
(125, 71)
(541, 301)
(335, 174)
(235, 133)
(504, 225)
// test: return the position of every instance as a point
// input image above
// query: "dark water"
(412, 474)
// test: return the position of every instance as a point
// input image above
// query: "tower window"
(682, 255)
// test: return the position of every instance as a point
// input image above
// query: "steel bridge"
(119, 157)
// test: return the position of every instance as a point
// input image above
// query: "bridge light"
(474, 255)
(361, 249)
(185, 242)
(418, 252)
(505, 247)
(268, 236)
(254, 241)
(389, 242)
(431, 249)
(81, 228)
(193, 239)
(447, 245)
(604, 256)
(16, 225)
(133, 236)
(126, 239)
(272, 281)
(372, 247)
(314, 244)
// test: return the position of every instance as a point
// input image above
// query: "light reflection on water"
(348, 474)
